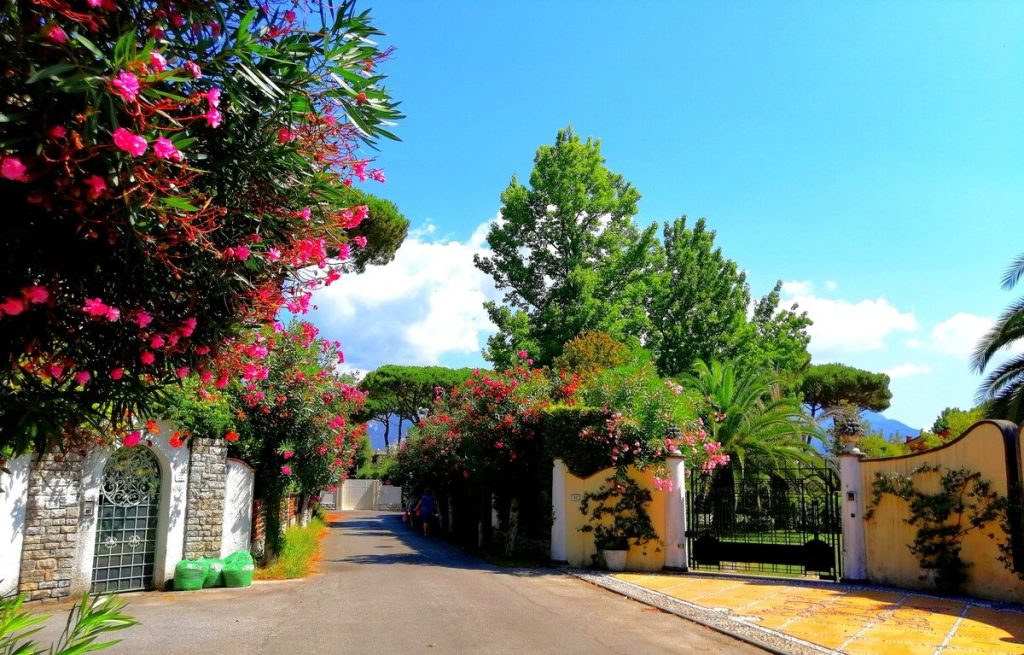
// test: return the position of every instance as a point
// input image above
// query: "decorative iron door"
(765, 520)
(127, 522)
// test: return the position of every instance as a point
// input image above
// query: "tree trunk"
(513, 527)
(387, 431)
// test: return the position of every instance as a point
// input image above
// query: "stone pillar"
(854, 547)
(204, 505)
(676, 557)
(50, 547)
(558, 523)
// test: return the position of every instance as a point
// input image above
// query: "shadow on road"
(418, 550)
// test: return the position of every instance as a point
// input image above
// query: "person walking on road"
(425, 510)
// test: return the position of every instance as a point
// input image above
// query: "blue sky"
(869, 155)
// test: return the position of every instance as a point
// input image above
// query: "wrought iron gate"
(769, 520)
(127, 522)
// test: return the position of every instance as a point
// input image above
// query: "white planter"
(615, 560)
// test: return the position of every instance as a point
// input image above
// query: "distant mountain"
(888, 427)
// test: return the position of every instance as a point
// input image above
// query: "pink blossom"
(96, 184)
(522, 354)
(112, 314)
(273, 254)
(117, 374)
(12, 306)
(289, 16)
(334, 275)
(163, 148)
(193, 70)
(95, 4)
(321, 450)
(222, 381)
(305, 213)
(83, 377)
(55, 34)
(95, 307)
(213, 117)
(143, 318)
(126, 85)
(13, 169)
(205, 376)
(286, 470)
(203, 350)
(58, 132)
(157, 62)
(360, 241)
(188, 327)
(56, 370)
(213, 97)
(182, 372)
(133, 144)
(132, 439)
(241, 253)
(35, 294)
(157, 342)
(288, 454)
(378, 175)
(147, 358)
(284, 135)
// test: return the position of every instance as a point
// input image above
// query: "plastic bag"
(238, 569)
(190, 575)
(214, 572)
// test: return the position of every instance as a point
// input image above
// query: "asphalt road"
(384, 589)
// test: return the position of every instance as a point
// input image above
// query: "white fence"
(369, 495)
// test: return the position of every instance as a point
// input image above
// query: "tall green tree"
(405, 393)
(699, 301)
(828, 386)
(1004, 385)
(384, 229)
(567, 255)
(777, 339)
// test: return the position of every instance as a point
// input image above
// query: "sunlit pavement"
(850, 619)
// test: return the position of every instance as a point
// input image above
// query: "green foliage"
(964, 502)
(569, 434)
(1003, 387)
(363, 457)
(953, 422)
(590, 352)
(301, 547)
(203, 416)
(699, 302)
(875, 445)
(744, 410)
(827, 386)
(385, 228)
(618, 514)
(567, 255)
(90, 619)
(777, 340)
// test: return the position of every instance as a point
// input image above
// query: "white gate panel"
(359, 494)
(236, 533)
(390, 498)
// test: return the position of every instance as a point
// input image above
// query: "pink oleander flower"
(113, 314)
(55, 370)
(289, 16)
(35, 294)
(182, 372)
(95, 307)
(222, 381)
(522, 354)
(12, 306)
(55, 34)
(143, 318)
(97, 185)
(378, 175)
(241, 253)
(126, 85)
(133, 144)
(157, 62)
(286, 470)
(188, 327)
(360, 241)
(203, 350)
(117, 374)
(213, 117)
(213, 97)
(288, 454)
(58, 132)
(163, 148)
(305, 213)
(132, 439)
(193, 70)
(284, 135)
(273, 255)
(83, 377)
(157, 342)
(147, 358)
(205, 376)
(12, 169)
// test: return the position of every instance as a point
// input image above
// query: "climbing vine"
(625, 502)
(964, 502)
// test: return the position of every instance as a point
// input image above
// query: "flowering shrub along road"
(172, 173)
(498, 433)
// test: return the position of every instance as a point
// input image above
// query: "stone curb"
(770, 640)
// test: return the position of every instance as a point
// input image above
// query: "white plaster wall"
(13, 500)
(171, 521)
(359, 494)
(237, 530)
(390, 497)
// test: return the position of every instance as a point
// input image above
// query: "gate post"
(558, 523)
(676, 557)
(852, 504)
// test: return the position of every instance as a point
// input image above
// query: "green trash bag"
(238, 569)
(214, 572)
(189, 575)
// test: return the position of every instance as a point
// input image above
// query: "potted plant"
(618, 518)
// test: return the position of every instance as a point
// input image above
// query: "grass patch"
(299, 555)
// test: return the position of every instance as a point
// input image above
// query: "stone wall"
(50, 546)
(204, 508)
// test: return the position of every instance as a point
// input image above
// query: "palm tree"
(1004, 386)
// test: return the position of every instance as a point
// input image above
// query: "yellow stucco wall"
(579, 545)
(887, 535)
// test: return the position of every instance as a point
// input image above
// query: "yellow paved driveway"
(850, 619)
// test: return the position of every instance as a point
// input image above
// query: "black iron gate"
(782, 521)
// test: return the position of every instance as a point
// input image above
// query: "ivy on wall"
(964, 502)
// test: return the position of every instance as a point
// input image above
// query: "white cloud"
(425, 304)
(959, 334)
(831, 286)
(907, 370)
(842, 327)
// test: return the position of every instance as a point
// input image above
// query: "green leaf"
(175, 202)
(50, 71)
